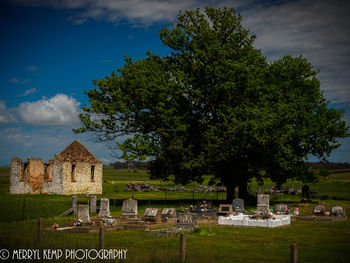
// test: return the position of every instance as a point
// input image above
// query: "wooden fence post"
(293, 253)
(183, 247)
(23, 208)
(40, 230)
(101, 243)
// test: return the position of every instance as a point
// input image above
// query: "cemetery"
(161, 218)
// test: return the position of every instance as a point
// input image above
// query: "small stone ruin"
(74, 171)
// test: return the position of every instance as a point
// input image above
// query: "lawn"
(317, 241)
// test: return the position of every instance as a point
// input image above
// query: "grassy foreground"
(317, 241)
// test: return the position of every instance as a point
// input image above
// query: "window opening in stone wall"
(73, 173)
(92, 173)
(23, 172)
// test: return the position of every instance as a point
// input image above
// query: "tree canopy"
(215, 106)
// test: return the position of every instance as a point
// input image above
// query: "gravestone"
(187, 220)
(281, 209)
(152, 215)
(129, 207)
(75, 204)
(104, 208)
(338, 210)
(320, 209)
(168, 213)
(263, 203)
(83, 212)
(305, 192)
(93, 200)
(225, 209)
(238, 205)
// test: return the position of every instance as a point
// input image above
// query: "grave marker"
(225, 209)
(263, 203)
(153, 215)
(338, 210)
(169, 213)
(83, 213)
(129, 207)
(281, 209)
(320, 209)
(93, 201)
(238, 205)
(187, 220)
(104, 208)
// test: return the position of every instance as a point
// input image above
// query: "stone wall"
(17, 185)
(54, 185)
(54, 178)
(82, 183)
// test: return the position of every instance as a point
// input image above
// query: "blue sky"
(52, 50)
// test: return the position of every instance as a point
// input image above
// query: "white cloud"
(32, 68)
(14, 80)
(59, 110)
(318, 30)
(6, 114)
(29, 91)
(25, 81)
(144, 12)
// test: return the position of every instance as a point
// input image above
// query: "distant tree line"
(130, 165)
(328, 165)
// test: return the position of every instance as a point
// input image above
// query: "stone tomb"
(104, 208)
(225, 209)
(238, 205)
(129, 207)
(281, 209)
(168, 213)
(320, 210)
(152, 215)
(187, 220)
(263, 203)
(83, 213)
(246, 221)
(338, 210)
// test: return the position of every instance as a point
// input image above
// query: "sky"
(51, 51)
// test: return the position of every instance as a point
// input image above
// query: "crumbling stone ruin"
(74, 171)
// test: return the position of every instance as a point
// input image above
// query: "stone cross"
(93, 200)
(104, 208)
(83, 213)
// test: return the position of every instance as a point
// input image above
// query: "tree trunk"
(230, 193)
(243, 192)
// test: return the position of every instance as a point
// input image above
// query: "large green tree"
(214, 105)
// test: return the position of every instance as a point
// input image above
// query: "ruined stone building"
(74, 171)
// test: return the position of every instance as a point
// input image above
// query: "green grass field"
(317, 241)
